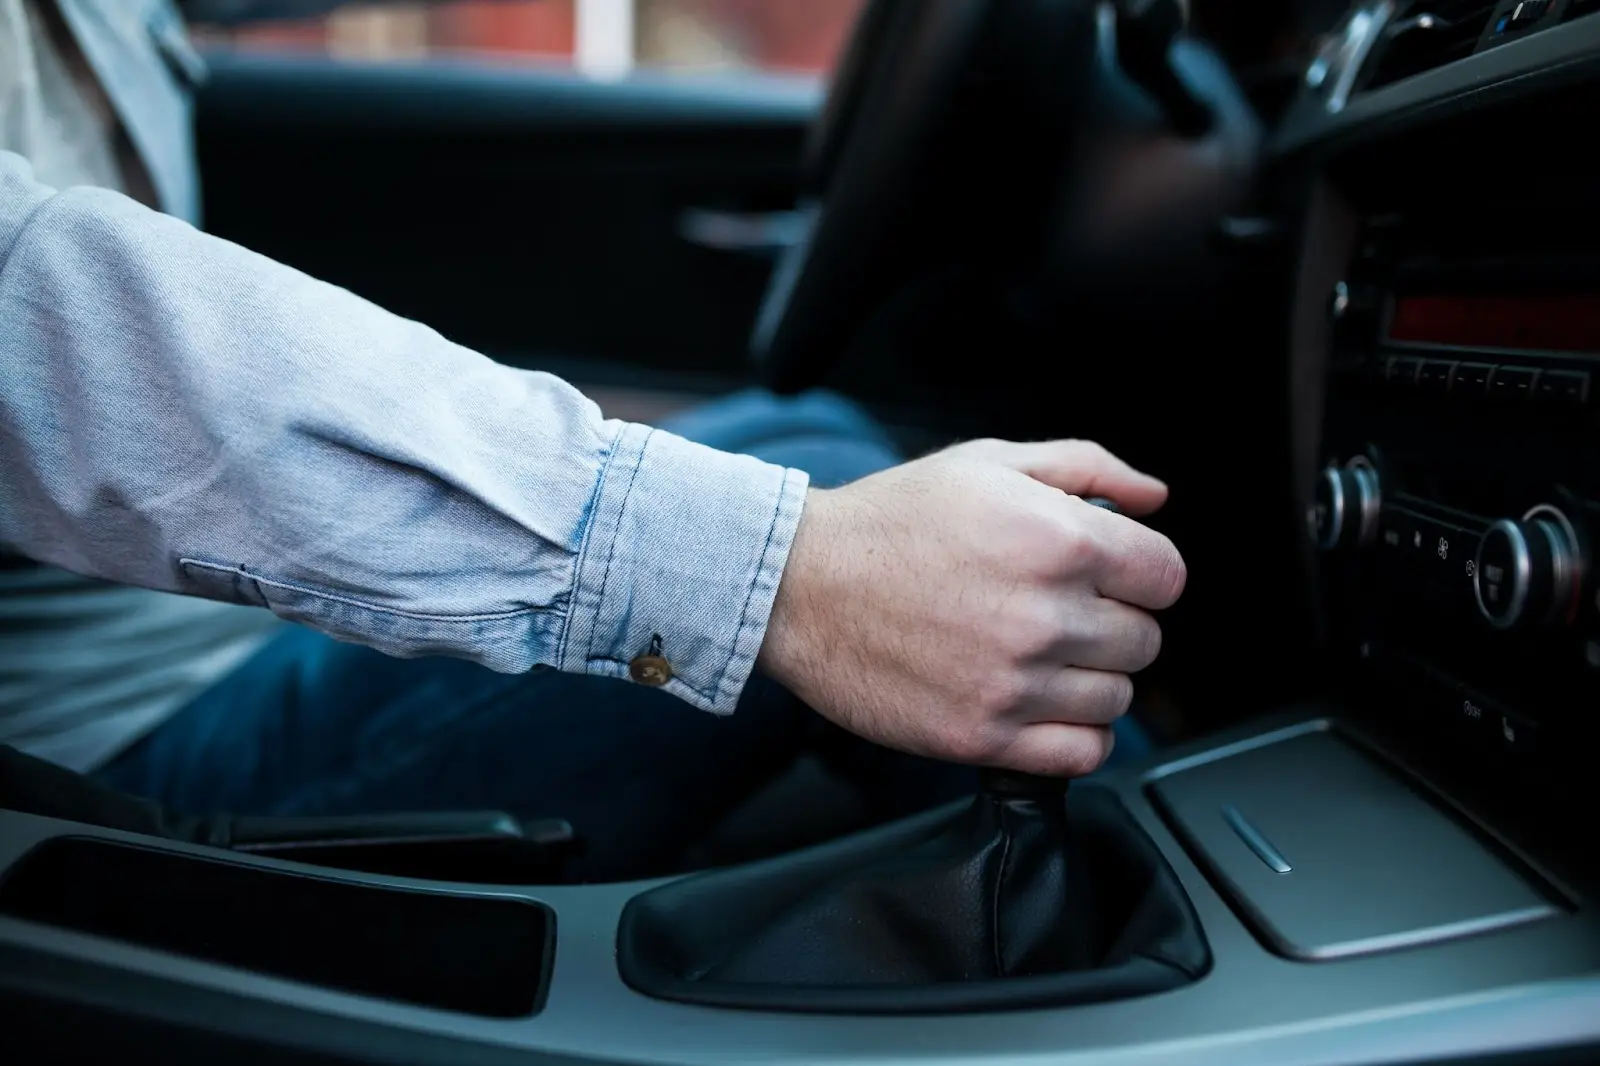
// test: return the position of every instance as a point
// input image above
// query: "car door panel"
(531, 213)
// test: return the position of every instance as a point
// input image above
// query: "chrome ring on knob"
(1369, 498)
(1521, 574)
(1565, 560)
(1334, 527)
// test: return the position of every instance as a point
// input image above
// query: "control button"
(1471, 380)
(1528, 573)
(1512, 384)
(1395, 528)
(1447, 559)
(1346, 506)
(1568, 389)
(1434, 375)
(1515, 733)
(1395, 556)
(1404, 372)
(1472, 710)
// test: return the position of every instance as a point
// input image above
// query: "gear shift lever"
(1021, 785)
(1009, 902)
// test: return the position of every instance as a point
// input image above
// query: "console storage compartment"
(1328, 853)
(473, 954)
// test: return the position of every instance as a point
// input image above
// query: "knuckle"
(1150, 642)
(1000, 693)
(1172, 574)
(1087, 752)
(1077, 548)
(1087, 450)
(1034, 628)
(971, 743)
(978, 448)
(1119, 695)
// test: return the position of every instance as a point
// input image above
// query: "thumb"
(1084, 468)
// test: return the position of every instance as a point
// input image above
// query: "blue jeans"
(312, 726)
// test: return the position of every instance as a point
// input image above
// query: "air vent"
(1426, 34)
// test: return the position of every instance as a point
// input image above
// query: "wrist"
(786, 647)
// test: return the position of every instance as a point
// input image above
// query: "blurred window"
(602, 38)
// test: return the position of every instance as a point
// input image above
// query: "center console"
(1457, 510)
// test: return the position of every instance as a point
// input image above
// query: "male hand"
(970, 605)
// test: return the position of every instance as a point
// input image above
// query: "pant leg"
(312, 726)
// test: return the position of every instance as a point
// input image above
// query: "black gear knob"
(1013, 784)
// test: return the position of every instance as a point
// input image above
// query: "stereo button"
(1434, 377)
(1512, 384)
(1471, 380)
(1404, 372)
(1567, 389)
(1394, 532)
(1515, 733)
(1444, 556)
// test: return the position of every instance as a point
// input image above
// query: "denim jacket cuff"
(686, 544)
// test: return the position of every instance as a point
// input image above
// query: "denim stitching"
(750, 594)
(241, 572)
(611, 554)
(589, 512)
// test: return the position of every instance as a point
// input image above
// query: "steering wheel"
(912, 70)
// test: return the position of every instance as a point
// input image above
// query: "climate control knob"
(1528, 572)
(1344, 510)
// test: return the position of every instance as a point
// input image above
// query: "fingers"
(1056, 750)
(1130, 561)
(1109, 635)
(1082, 697)
(1084, 468)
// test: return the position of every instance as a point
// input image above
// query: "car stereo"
(1461, 498)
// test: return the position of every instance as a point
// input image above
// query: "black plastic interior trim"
(57, 1009)
(1561, 55)
(315, 92)
(479, 955)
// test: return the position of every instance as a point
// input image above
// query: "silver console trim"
(1255, 840)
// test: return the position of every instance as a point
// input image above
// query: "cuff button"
(651, 668)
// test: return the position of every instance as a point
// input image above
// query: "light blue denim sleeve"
(180, 413)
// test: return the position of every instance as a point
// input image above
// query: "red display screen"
(1554, 323)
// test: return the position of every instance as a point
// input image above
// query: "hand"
(970, 606)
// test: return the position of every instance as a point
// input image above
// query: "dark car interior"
(1330, 270)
